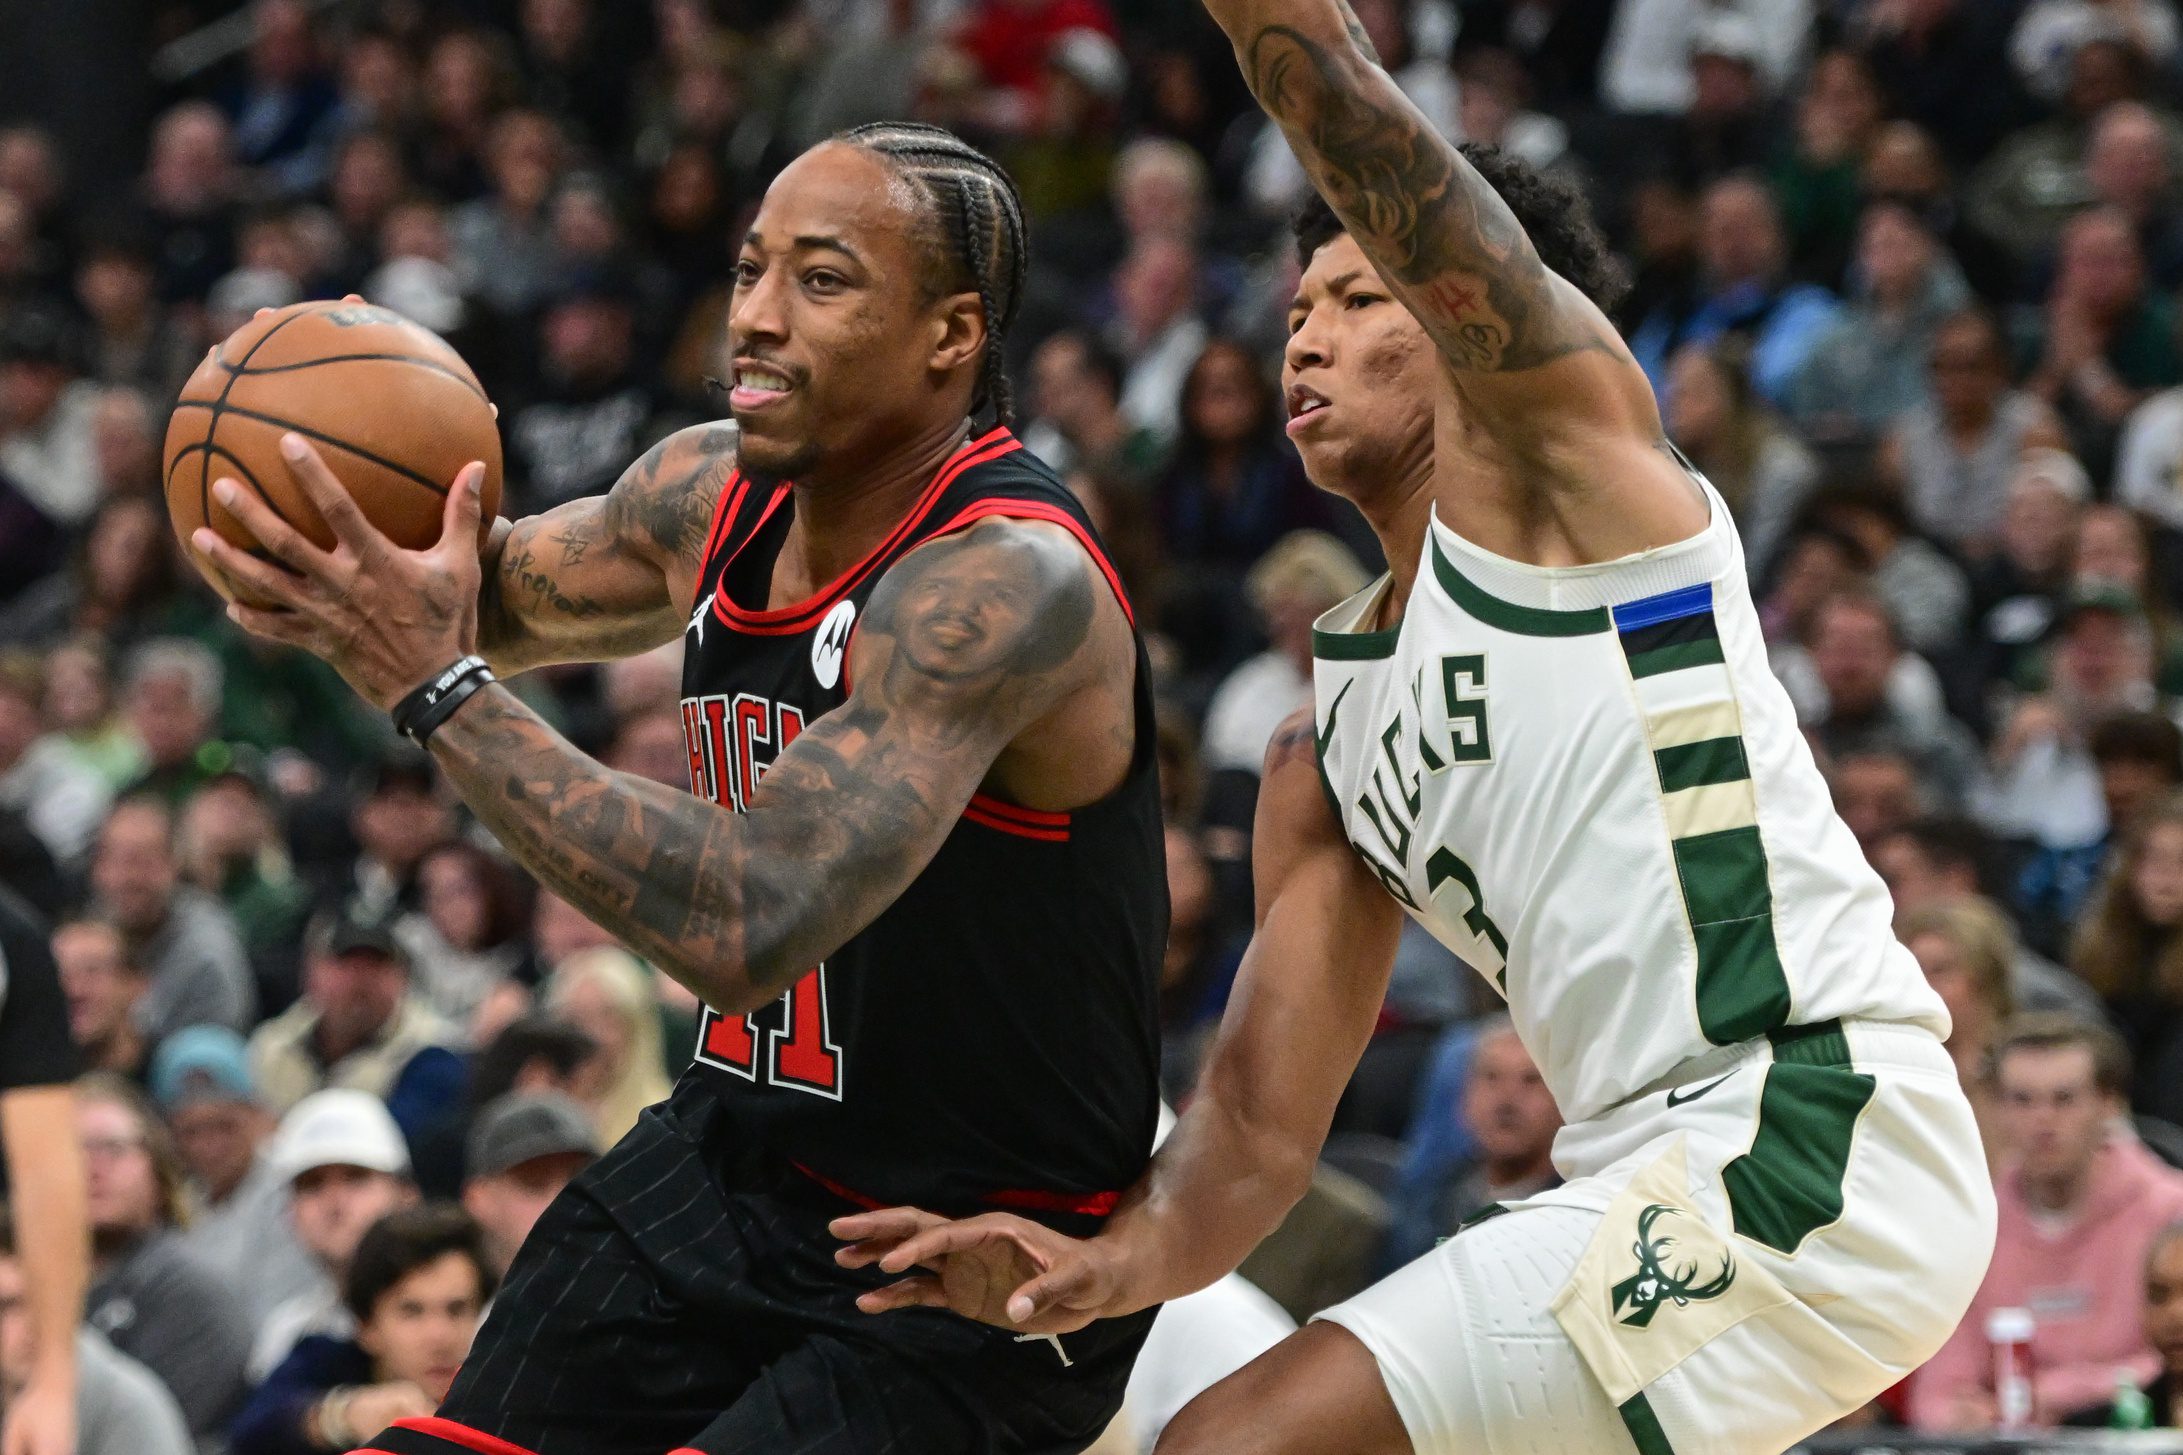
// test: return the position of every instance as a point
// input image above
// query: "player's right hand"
(996, 1268)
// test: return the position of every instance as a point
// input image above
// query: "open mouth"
(757, 386)
(1305, 404)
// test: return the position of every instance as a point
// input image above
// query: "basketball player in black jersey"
(920, 886)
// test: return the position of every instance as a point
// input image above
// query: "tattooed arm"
(609, 576)
(1514, 334)
(966, 642)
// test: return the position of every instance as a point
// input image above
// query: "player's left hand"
(386, 618)
(996, 1268)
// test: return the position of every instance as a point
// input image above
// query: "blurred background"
(1905, 282)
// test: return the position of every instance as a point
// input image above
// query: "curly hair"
(1555, 216)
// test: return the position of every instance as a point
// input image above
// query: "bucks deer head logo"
(1657, 1281)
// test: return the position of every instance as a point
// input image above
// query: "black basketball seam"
(210, 448)
(212, 426)
(263, 369)
(323, 438)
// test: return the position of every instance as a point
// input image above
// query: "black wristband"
(418, 715)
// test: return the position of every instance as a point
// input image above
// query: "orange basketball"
(394, 411)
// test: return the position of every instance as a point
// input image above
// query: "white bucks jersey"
(1587, 783)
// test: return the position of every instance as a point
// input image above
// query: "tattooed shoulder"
(994, 620)
(665, 501)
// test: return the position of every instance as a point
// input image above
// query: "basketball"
(392, 408)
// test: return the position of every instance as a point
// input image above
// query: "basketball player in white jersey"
(1550, 734)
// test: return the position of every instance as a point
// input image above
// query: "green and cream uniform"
(1587, 783)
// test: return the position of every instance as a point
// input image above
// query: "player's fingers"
(260, 577)
(281, 540)
(920, 1292)
(885, 1225)
(1061, 1287)
(459, 519)
(335, 505)
(941, 1239)
(278, 626)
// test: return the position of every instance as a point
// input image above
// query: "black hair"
(983, 243)
(402, 1242)
(535, 1037)
(1951, 841)
(1100, 359)
(2138, 737)
(1553, 214)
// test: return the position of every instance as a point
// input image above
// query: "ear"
(368, 1339)
(958, 331)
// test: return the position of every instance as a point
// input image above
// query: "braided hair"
(982, 242)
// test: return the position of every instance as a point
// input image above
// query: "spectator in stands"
(120, 585)
(1746, 289)
(1235, 485)
(1921, 588)
(467, 939)
(344, 1163)
(149, 1294)
(184, 940)
(2034, 181)
(2129, 948)
(104, 984)
(1871, 364)
(173, 704)
(133, 340)
(1968, 951)
(2107, 339)
(2130, 167)
(191, 185)
(1855, 649)
(1305, 575)
(592, 413)
(2079, 1207)
(1508, 1121)
(61, 797)
(607, 994)
(120, 1407)
(2050, 32)
(45, 415)
(2017, 593)
(1877, 791)
(360, 1025)
(79, 708)
(1076, 389)
(1762, 469)
(2158, 1405)
(524, 1148)
(1008, 41)
(231, 848)
(399, 817)
(417, 1291)
(503, 244)
(532, 1055)
(1644, 67)
(283, 103)
(239, 1226)
(1156, 330)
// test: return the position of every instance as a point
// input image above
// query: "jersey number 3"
(800, 1050)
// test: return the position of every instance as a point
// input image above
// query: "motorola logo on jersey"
(831, 643)
(732, 741)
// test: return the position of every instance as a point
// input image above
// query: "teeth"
(760, 379)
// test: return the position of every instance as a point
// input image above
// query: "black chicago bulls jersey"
(991, 1039)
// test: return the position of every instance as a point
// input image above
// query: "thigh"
(1317, 1392)
(1466, 1349)
(832, 1397)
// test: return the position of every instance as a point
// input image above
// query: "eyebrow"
(1334, 284)
(811, 241)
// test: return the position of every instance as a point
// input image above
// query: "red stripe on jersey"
(801, 615)
(1021, 831)
(1091, 1204)
(846, 1194)
(1035, 817)
(462, 1435)
(1040, 510)
(732, 491)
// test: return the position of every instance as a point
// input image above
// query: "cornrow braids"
(977, 213)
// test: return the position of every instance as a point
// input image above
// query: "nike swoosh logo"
(1681, 1094)
(1332, 712)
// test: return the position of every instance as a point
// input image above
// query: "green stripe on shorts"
(1645, 1426)
(1789, 1185)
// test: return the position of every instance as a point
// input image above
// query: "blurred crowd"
(1905, 277)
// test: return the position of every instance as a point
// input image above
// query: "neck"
(1400, 515)
(841, 515)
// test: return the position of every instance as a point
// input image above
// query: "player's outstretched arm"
(608, 576)
(1304, 1004)
(1436, 230)
(966, 642)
